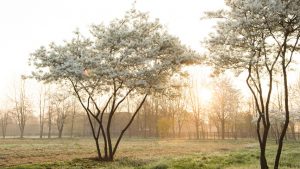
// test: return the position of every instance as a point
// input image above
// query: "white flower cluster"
(132, 51)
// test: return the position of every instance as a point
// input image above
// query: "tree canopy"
(131, 55)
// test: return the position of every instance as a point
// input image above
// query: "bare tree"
(178, 103)
(224, 104)
(4, 121)
(198, 108)
(62, 105)
(181, 115)
(73, 114)
(22, 107)
(50, 118)
(42, 108)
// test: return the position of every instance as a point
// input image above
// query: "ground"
(142, 154)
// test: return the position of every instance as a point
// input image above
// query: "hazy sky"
(28, 24)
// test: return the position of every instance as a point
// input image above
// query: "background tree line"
(178, 113)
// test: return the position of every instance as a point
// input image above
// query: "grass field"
(142, 154)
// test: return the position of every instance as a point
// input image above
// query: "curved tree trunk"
(287, 113)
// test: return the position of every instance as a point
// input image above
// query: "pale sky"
(28, 24)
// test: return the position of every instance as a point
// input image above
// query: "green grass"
(146, 154)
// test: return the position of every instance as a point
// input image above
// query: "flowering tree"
(260, 37)
(130, 56)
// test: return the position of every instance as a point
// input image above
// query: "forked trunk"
(98, 128)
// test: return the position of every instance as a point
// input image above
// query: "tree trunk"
(49, 128)
(138, 124)
(156, 120)
(223, 129)
(145, 122)
(108, 147)
(3, 131)
(41, 130)
(4, 123)
(72, 125)
(128, 124)
(60, 130)
(150, 123)
(179, 131)
(202, 130)
(277, 134)
(218, 131)
(263, 160)
(173, 124)
(49, 121)
(197, 129)
(287, 113)
(98, 150)
(42, 110)
(235, 127)
(263, 143)
(180, 124)
(22, 131)
(292, 126)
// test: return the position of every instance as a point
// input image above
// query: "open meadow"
(142, 153)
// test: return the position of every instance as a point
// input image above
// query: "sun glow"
(200, 80)
(204, 95)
